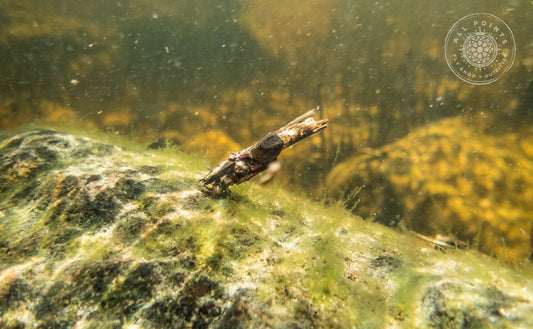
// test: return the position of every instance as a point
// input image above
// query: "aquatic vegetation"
(205, 76)
(110, 237)
(447, 179)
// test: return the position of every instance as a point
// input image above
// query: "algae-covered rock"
(95, 236)
(446, 178)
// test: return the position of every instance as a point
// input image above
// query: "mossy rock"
(98, 236)
(447, 179)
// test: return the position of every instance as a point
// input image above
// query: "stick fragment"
(242, 165)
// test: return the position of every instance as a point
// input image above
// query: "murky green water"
(435, 154)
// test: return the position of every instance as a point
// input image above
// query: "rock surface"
(447, 178)
(95, 236)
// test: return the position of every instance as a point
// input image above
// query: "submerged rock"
(446, 178)
(93, 235)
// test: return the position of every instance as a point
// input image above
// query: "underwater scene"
(392, 142)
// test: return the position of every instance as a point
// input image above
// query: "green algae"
(316, 266)
(297, 260)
